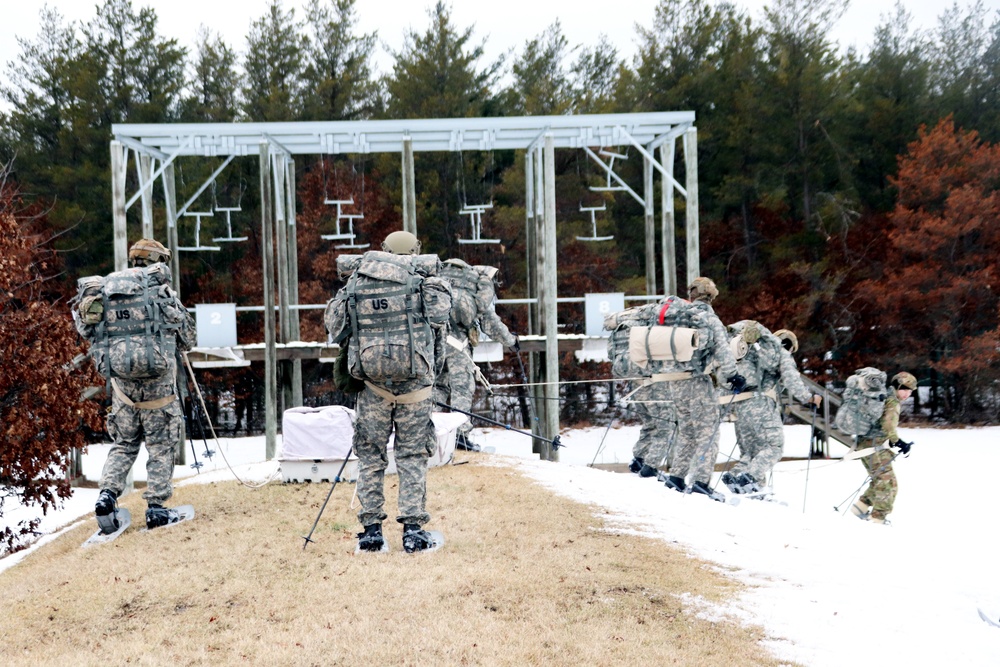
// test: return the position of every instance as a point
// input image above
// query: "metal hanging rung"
(610, 169)
(342, 236)
(593, 224)
(229, 226)
(351, 217)
(198, 247)
(475, 213)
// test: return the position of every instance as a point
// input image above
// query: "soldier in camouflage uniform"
(875, 504)
(142, 409)
(690, 391)
(401, 405)
(760, 433)
(473, 291)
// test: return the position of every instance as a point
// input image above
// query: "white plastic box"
(316, 440)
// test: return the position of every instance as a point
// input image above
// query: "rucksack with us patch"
(862, 402)
(131, 319)
(385, 314)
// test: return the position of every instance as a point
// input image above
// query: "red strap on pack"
(663, 311)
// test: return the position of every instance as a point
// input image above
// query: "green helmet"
(702, 289)
(401, 243)
(904, 380)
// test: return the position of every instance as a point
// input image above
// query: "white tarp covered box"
(316, 440)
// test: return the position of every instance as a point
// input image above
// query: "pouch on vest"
(656, 343)
(862, 402)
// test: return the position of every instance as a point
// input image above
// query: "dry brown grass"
(526, 578)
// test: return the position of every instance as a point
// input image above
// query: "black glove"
(737, 382)
(517, 344)
(903, 446)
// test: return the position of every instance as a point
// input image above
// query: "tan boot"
(861, 509)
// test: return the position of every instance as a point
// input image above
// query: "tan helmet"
(788, 340)
(147, 251)
(702, 289)
(401, 243)
(904, 380)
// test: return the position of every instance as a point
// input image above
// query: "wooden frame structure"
(156, 147)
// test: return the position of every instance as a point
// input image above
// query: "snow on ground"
(829, 589)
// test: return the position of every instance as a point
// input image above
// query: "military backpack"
(131, 335)
(862, 402)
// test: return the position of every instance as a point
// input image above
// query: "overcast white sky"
(506, 25)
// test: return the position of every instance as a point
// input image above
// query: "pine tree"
(214, 85)
(273, 65)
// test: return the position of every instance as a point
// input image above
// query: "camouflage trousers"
(640, 449)
(659, 424)
(881, 492)
(129, 426)
(456, 384)
(414, 443)
(760, 436)
(697, 444)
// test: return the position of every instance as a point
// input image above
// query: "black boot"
(675, 483)
(416, 539)
(158, 515)
(636, 465)
(702, 487)
(105, 509)
(371, 539)
(647, 471)
(747, 483)
(732, 482)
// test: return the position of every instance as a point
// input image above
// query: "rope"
(204, 410)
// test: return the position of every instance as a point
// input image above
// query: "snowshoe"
(158, 515)
(647, 471)
(747, 483)
(861, 509)
(105, 509)
(729, 479)
(122, 518)
(416, 539)
(371, 539)
(675, 483)
(636, 465)
(701, 487)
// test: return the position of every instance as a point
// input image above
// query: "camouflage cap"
(401, 243)
(788, 340)
(147, 251)
(904, 380)
(702, 289)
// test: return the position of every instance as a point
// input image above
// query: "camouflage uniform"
(401, 405)
(791, 380)
(160, 427)
(694, 403)
(759, 431)
(881, 493)
(415, 441)
(455, 385)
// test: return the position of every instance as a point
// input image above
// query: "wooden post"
(667, 223)
(170, 199)
(293, 279)
(270, 349)
(548, 279)
(691, 208)
(144, 166)
(119, 159)
(409, 189)
(536, 359)
(281, 227)
(647, 195)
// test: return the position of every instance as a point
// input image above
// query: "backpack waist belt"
(746, 395)
(155, 404)
(402, 399)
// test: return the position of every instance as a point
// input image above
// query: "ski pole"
(308, 538)
(196, 405)
(812, 434)
(554, 441)
(871, 476)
